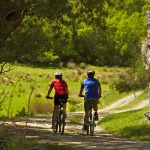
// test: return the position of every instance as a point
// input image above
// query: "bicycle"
(60, 123)
(91, 118)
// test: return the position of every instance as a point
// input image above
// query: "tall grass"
(16, 143)
(42, 77)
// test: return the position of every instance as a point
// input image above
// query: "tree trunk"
(10, 19)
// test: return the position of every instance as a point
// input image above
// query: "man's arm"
(100, 90)
(49, 92)
(67, 90)
(50, 89)
(81, 90)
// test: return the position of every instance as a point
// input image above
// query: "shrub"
(38, 106)
(83, 76)
(75, 104)
(133, 81)
(83, 65)
(38, 95)
(72, 75)
(21, 113)
(71, 65)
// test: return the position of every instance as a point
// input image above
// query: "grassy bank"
(129, 124)
(21, 143)
(16, 86)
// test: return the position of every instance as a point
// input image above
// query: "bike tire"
(92, 124)
(61, 123)
(56, 127)
(89, 122)
(88, 129)
(63, 128)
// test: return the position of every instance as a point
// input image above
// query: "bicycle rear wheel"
(89, 122)
(88, 129)
(92, 124)
(56, 126)
(61, 122)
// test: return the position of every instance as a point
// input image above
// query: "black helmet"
(90, 72)
(58, 74)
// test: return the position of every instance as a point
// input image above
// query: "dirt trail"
(39, 129)
(122, 101)
(125, 101)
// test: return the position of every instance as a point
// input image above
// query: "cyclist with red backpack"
(92, 89)
(61, 92)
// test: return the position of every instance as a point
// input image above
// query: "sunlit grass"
(129, 124)
(22, 78)
(76, 119)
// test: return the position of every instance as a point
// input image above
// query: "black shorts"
(59, 98)
(87, 104)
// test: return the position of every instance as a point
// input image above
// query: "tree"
(124, 31)
(12, 13)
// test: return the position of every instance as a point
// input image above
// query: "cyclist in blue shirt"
(92, 88)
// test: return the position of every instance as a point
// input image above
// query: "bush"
(21, 113)
(83, 65)
(71, 65)
(39, 106)
(133, 81)
(72, 75)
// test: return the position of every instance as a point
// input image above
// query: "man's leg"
(96, 109)
(85, 115)
(54, 114)
(64, 108)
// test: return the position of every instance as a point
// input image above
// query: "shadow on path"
(39, 129)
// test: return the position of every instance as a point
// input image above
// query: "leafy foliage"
(94, 32)
(137, 78)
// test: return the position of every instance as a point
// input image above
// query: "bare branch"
(6, 67)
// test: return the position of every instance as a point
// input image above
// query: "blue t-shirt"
(91, 86)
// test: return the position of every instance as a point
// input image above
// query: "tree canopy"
(106, 32)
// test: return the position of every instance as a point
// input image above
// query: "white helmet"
(58, 74)
(92, 72)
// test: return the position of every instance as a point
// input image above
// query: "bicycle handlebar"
(81, 95)
(48, 97)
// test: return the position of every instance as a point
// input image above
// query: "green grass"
(22, 78)
(15, 143)
(129, 124)
(76, 119)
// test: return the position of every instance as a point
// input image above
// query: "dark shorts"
(87, 103)
(60, 98)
